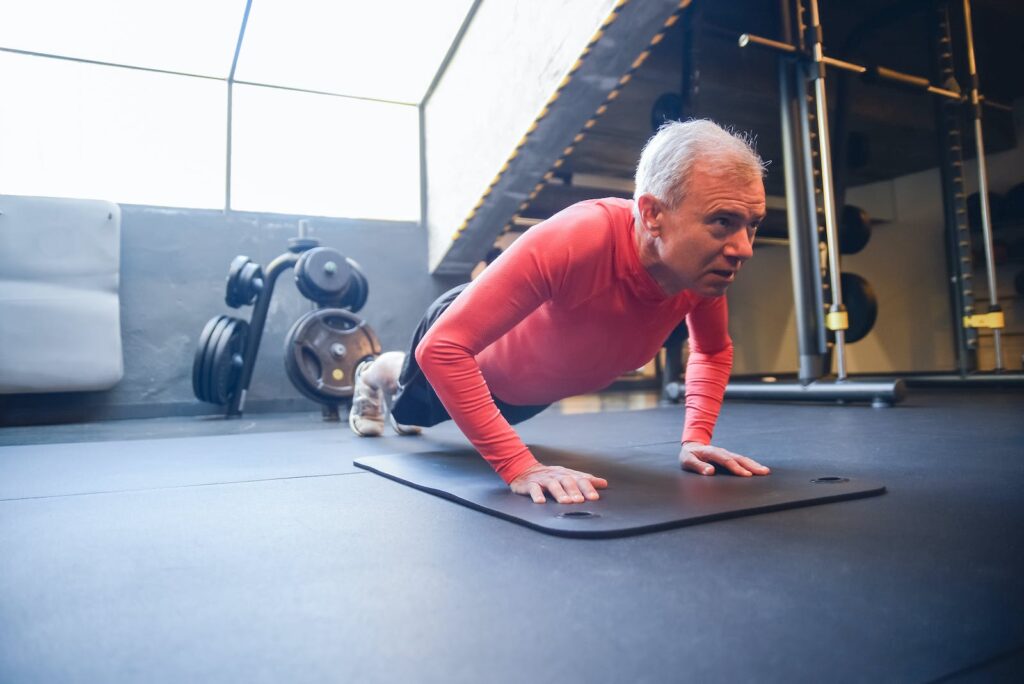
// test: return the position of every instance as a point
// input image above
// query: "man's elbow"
(721, 358)
(425, 351)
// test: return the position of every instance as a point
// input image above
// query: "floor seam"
(184, 486)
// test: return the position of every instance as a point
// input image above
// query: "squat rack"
(814, 251)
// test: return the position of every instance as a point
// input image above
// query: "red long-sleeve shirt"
(565, 310)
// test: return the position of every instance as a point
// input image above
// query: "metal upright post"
(801, 212)
(960, 263)
(986, 215)
(837, 312)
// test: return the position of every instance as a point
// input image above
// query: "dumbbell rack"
(323, 346)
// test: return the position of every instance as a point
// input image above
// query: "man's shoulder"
(616, 208)
(594, 216)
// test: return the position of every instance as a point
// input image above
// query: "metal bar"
(751, 39)
(881, 393)
(972, 380)
(96, 62)
(169, 72)
(325, 92)
(451, 51)
(831, 222)
(949, 139)
(801, 208)
(256, 325)
(231, 80)
(873, 73)
(986, 216)
(227, 154)
(813, 260)
(803, 274)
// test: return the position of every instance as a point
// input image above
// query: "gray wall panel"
(173, 266)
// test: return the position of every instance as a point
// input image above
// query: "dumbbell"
(330, 279)
(244, 282)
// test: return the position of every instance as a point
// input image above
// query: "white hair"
(671, 154)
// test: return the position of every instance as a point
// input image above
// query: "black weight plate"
(291, 365)
(206, 339)
(298, 245)
(1013, 203)
(995, 208)
(227, 361)
(322, 275)
(252, 282)
(358, 290)
(861, 306)
(322, 350)
(854, 230)
(234, 295)
(668, 107)
(209, 356)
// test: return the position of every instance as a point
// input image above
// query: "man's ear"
(650, 211)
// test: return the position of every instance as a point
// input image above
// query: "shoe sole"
(378, 427)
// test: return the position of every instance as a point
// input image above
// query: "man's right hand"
(565, 485)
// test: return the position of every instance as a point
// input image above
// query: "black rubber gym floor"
(253, 550)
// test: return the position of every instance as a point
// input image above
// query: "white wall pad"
(60, 320)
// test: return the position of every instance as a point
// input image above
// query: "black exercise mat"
(647, 492)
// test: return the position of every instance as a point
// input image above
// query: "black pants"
(416, 402)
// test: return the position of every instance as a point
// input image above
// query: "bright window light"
(191, 36)
(80, 130)
(385, 49)
(321, 155)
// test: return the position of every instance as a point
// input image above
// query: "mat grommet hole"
(831, 479)
(578, 514)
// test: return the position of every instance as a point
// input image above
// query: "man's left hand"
(702, 458)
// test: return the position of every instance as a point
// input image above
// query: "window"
(191, 36)
(69, 129)
(386, 49)
(323, 155)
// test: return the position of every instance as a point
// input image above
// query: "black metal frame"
(259, 320)
(814, 249)
(804, 60)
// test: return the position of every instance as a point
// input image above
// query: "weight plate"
(861, 307)
(226, 362)
(233, 295)
(1013, 203)
(244, 282)
(206, 342)
(358, 290)
(322, 274)
(854, 230)
(668, 107)
(322, 350)
(208, 358)
(298, 245)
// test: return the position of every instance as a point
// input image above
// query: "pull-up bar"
(869, 72)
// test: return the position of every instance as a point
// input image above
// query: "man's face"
(707, 238)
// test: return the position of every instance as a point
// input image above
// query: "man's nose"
(740, 246)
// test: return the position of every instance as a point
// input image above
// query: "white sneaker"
(366, 417)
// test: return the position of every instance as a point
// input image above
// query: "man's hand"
(566, 486)
(701, 457)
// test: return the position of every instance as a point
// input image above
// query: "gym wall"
(173, 268)
(509, 62)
